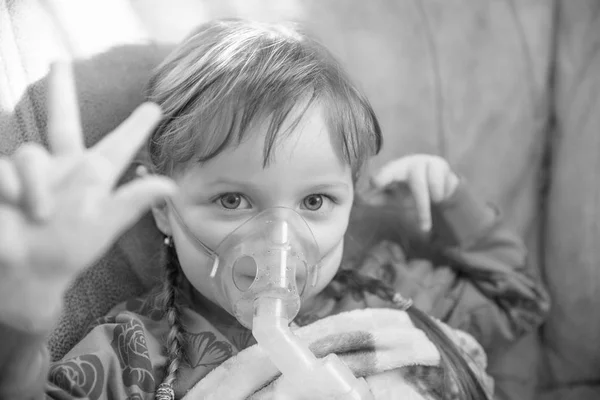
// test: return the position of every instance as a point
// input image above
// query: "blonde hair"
(230, 74)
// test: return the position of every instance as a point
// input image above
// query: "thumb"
(134, 199)
(10, 184)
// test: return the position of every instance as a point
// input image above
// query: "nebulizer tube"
(261, 271)
(304, 375)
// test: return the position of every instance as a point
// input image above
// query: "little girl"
(254, 117)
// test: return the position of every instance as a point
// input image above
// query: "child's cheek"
(328, 267)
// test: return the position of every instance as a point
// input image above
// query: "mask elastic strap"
(199, 244)
(142, 170)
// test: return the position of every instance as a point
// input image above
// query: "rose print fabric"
(122, 357)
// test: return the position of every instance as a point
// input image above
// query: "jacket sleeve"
(112, 361)
(495, 297)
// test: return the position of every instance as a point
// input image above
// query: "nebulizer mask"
(261, 272)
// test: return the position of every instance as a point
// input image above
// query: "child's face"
(305, 174)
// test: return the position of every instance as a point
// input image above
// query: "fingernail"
(374, 183)
(62, 64)
(141, 171)
(152, 110)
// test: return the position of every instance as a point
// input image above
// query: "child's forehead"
(304, 129)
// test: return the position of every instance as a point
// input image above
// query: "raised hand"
(430, 179)
(59, 210)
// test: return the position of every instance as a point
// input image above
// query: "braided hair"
(168, 300)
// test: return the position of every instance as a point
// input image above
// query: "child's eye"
(233, 201)
(314, 202)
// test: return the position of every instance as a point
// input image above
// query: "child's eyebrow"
(227, 181)
(245, 185)
(329, 186)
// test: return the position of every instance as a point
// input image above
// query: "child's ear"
(161, 218)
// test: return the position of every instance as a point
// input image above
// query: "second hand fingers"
(10, 184)
(436, 178)
(31, 163)
(417, 181)
(120, 146)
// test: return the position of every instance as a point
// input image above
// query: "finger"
(31, 162)
(10, 185)
(121, 145)
(64, 126)
(132, 200)
(417, 181)
(394, 171)
(436, 178)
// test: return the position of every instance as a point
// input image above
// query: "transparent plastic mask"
(272, 254)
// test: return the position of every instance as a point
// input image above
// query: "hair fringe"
(468, 385)
(231, 74)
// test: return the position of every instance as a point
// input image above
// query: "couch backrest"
(572, 236)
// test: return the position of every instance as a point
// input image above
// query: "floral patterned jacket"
(397, 359)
